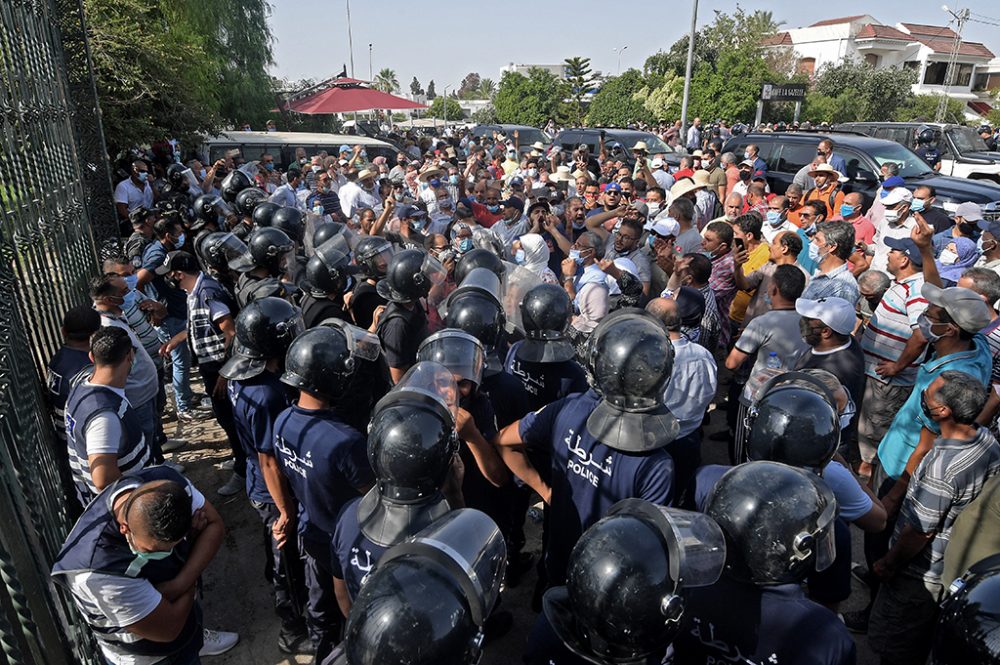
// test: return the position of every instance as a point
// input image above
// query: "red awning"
(982, 108)
(346, 96)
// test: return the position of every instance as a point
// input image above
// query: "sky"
(444, 40)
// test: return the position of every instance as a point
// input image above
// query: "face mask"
(654, 209)
(131, 281)
(745, 175)
(511, 156)
(317, 169)
(453, 179)
(847, 415)
(892, 216)
(983, 248)
(532, 173)
(270, 165)
(926, 409)
(465, 245)
(303, 160)
(318, 209)
(814, 253)
(746, 155)
(180, 241)
(416, 224)
(493, 208)
(947, 257)
(846, 210)
(926, 329)
(774, 218)
(917, 205)
(201, 174)
(811, 337)
(142, 558)
(519, 257)
(651, 241)
(575, 255)
(143, 176)
(172, 283)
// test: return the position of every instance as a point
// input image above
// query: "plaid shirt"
(711, 324)
(838, 282)
(949, 477)
(723, 283)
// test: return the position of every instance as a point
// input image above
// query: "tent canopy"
(346, 95)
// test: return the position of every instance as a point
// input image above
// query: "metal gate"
(55, 202)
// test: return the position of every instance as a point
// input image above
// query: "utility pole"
(687, 74)
(619, 51)
(350, 37)
(370, 78)
(959, 17)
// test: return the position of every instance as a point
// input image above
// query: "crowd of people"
(407, 359)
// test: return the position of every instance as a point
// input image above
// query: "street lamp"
(619, 51)
(370, 78)
(687, 73)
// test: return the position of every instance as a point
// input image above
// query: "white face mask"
(948, 257)
(654, 208)
(892, 216)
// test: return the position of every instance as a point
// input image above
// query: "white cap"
(834, 312)
(897, 195)
(657, 163)
(627, 265)
(665, 226)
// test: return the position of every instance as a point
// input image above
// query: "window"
(979, 83)
(934, 74)
(856, 165)
(963, 75)
(793, 156)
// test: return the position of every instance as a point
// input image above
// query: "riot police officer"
(411, 445)
(234, 183)
(927, 149)
(328, 275)
(607, 444)
(247, 202)
(778, 523)
(402, 326)
(968, 632)
(224, 256)
(291, 221)
(428, 600)
(269, 252)
(628, 577)
(478, 258)
(264, 330)
(372, 255)
(322, 458)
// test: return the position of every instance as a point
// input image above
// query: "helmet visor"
(220, 207)
(823, 538)
(363, 344)
(434, 270)
(482, 279)
(235, 252)
(698, 546)
(191, 178)
(458, 351)
(432, 380)
(334, 251)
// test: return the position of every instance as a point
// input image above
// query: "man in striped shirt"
(104, 436)
(893, 348)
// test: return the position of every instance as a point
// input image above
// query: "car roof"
(902, 124)
(282, 138)
(849, 139)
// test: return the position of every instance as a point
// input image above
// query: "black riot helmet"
(926, 135)
(623, 599)
(268, 247)
(264, 330)
(778, 522)
(326, 231)
(478, 314)
(794, 422)
(460, 352)
(249, 290)
(289, 220)
(233, 184)
(428, 599)
(478, 258)
(968, 631)
(546, 311)
(410, 275)
(263, 213)
(372, 255)
(248, 200)
(208, 207)
(329, 270)
(177, 177)
(321, 362)
(223, 251)
(629, 359)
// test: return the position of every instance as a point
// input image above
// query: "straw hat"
(433, 172)
(827, 169)
(684, 186)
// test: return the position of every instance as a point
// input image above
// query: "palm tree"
(487, 88)
(386, 81)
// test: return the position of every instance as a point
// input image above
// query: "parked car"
(786, 153)
(622, 140)
(526, 135)
(963, 152)
(282, 145)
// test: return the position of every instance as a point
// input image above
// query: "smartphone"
(740, 245)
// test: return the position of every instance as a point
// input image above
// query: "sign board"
(785, 92)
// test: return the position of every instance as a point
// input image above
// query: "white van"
(282, 145)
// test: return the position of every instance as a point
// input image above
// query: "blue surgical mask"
(465, 245)
(917, 205)
(143, 176)
(927, 329)
(453, 179)
(575, 255)
(846, 210)
(814, 254)
(519, 257)
(180, 241)
(132, 281)
(416, 224)
(494, 208)
(201, 174)
(270, 165)
(774, 218)
(650, 240)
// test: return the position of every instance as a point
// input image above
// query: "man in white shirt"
(134, 192)
(286, 194)
(360, 194)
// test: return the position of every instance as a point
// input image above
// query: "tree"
(415, 88)
(528, 100)
(923, 108)
(729, 87)
(386, 81)
(485, 116)
(877, 93)
(431, 94)
(663, 101)
(579, 79)
(619, 102)
(445, 107)
(469, 86)
(818, 107)
(487, 88)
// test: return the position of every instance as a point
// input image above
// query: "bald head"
(665, 309)
(854, 199)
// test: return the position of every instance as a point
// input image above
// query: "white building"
(559, 70)
(925, 49)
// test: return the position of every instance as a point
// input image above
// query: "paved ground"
(237, 598)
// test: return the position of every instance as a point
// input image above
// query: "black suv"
(569, 139)
(786, 153)
(526, 135)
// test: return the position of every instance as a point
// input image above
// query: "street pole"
(619, 51)
(687, 74)
(350, 37)
(960, 17)
(370, 76)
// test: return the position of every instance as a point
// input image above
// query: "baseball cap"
(612, 187)
(992, 226)
(513, 202)
(657, 163)
(970, 212)
(642, 208)
(747, 162)
(834, 312)
(690, 306)
(517, 180)
(906, 246)
(539, 203)
(965, 307)
(890, 183)
(409, 212)
(897, 195)
(182, 261)
(346, 148)
(667, 226)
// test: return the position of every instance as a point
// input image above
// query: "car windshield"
(910, 164)
(653, 143)
(966, 139)
(526, 137)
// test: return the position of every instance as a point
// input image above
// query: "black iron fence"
(55, 210)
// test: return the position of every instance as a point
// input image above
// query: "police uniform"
(735, 622)
(97, 565)
(929, 154)
(370, 382)
(257, 402)
(87, 401)
(588, 477)
(316, 310)
(546, 382)
(59, 374)
(401, 330)
(352, 555)
(325, 462)
(363, 303)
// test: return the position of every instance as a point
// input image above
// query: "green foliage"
(179, 67)
(876, 93)
(469, 87)
(415, 88)
(729, 88)
(431, 93)
(445, 107)
(485, 116)
(579, 80)
(386, 81)
(487, 88)
(923, 108)
(663, 101)
(818, 107)
(528, 100)
(619, 102)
